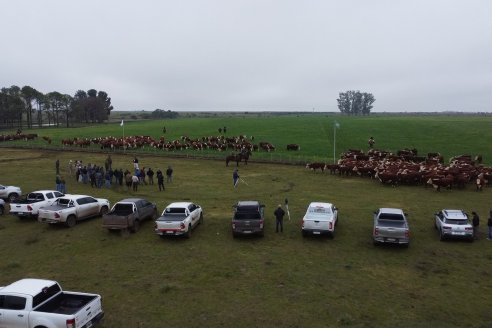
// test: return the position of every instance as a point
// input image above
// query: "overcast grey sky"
(413, 55)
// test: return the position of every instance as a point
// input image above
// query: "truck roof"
(28, 286)
(130, 200)
(179, 204)
(390, 210)
(42, 191)
(248, 203)
(72, 196)
(320, 204)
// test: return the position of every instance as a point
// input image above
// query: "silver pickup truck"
(391, 226)
(33, 303)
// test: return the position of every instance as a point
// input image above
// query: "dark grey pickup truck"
(248, 218)
(128, 214)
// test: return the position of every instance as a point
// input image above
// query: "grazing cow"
(437, 182)
(387, 178)
(332, 167)
(315, 166)
(293, 147)
(480, 183)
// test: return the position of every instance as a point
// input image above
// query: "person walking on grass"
(476, 224)
(160, 180)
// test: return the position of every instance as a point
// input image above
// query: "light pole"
(336, 125)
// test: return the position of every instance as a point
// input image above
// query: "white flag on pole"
(337, 125)
(121, 124)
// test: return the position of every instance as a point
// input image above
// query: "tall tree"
(28, 95)
(55, 100)
(66, 107)
(355, 102)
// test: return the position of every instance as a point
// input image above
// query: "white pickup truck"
(72, 208)
(39, 303)
(30, 205)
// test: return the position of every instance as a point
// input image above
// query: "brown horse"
(243, 156)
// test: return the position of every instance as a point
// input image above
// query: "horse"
(244, 155)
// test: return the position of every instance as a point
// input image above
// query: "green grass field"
(449, 135)
(281, 280)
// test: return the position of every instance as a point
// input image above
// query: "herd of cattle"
(219, 143)
(406, 168)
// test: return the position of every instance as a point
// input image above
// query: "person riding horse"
(243, 155)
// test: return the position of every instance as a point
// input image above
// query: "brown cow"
(293, 147)
(315, 166)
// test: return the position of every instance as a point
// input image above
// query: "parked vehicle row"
(390, 225)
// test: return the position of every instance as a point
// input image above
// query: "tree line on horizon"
(27, 107)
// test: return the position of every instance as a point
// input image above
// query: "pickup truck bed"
(66, 303)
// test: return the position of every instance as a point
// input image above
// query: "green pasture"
(449, 135)
(281, 280)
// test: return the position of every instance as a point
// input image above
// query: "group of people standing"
(139, 176)
(107, 176)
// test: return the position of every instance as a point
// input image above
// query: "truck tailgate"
(168, 226)
(90, 313)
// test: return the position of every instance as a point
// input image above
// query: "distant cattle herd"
(405, 167)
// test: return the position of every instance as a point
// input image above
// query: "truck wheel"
(136, 226)
(103, 210)
(155, 215)
(12, 197)
(188, 233)
(201, 218)
(71, 221)
(331, 235)
(376, 243)
(441, 236)
(2, 210)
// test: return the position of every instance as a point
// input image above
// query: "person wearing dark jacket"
(489, 224)
(279, 218)
(476, 224)
(160, 180)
